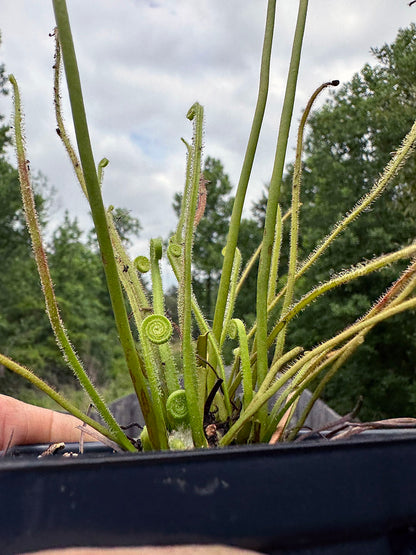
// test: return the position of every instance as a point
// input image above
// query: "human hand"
(22, 424)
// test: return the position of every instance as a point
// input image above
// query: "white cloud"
(143, 63)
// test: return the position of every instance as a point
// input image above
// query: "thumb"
(21, 423)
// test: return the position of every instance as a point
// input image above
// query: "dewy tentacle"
(157, 436)
(44, 274)
(196, 115)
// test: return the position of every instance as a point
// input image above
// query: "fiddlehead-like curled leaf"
(157, 328)
(142, 263)
(233, 329)
(156, 248)
(177, 408)
(103, 163)
(175, 249)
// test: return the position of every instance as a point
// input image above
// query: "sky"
(143, 63)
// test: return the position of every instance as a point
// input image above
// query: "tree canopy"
(349, 142)
(76, 269)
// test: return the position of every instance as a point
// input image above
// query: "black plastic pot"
(355, 497)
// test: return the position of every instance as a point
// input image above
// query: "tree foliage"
(82, 296)
(80, 287)
(349, 142)
(83, 299)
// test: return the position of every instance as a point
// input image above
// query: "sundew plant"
(199, 402)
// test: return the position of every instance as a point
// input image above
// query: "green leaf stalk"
(188, 395)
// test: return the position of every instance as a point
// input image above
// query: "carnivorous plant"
(199, 402)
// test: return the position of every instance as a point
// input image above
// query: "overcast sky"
(144, 62)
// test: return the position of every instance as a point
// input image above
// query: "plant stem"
(389, 172)
(250, 264)
(195, 114)
(64, 403)
(345, 353)
(52, 309)
(232, 238)
(231, 294)
(294, 226)
(237, 330)
(59, 119)
(129, 279)
(345, 277)
(275, 259)
(157, 437)
(272, 203)
(168, 366)
(261, 399)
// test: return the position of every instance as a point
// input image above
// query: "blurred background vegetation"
(348, 143)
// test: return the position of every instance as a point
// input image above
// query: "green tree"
(25, 332)
(249, 238)
(85, 308)
(83, 300)
(349, 142)
(127, 226)
(23, 322)
(22, 318)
